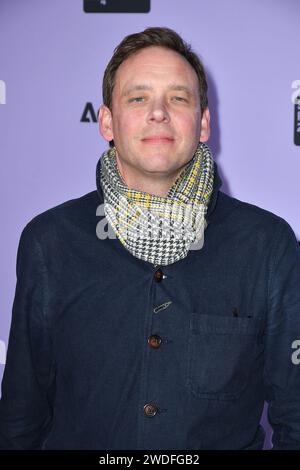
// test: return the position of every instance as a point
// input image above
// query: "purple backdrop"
(52, 57)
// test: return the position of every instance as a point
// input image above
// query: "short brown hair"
(162, 37)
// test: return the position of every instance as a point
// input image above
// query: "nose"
(158, 112)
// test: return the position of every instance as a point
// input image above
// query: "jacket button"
(154, 341)
(158, 275)
(150, 410)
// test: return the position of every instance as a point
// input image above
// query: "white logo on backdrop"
(2, 352)
(2, 92)
(296, 94)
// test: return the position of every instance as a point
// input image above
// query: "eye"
(136, 99)
(179, 98)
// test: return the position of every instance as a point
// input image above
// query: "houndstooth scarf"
(160, 230)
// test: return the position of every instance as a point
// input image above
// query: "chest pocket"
(222, 352)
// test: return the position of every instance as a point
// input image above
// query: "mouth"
(158, 139)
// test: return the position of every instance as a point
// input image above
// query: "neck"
(157, 185)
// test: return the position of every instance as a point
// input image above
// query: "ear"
(205, 126)
(105, 123)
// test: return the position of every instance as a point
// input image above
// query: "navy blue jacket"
(107, 351)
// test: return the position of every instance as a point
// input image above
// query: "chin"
(160, 157)
(158, 167)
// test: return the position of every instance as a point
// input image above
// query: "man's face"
(156, 120)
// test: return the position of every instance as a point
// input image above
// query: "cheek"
(188, 125)
(126, 124)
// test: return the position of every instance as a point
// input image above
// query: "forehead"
(155, 63)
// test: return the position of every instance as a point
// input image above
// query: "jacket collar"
(215, 192)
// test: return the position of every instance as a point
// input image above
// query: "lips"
(158, 138)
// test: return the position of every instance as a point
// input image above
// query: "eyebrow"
(175, 87)
(143, 87)
(136, 88)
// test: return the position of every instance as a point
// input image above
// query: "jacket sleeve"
(25, 406)
(282, 350)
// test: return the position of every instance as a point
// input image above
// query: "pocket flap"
(221, 324)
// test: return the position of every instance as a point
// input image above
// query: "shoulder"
(251, 221)
(70, 213)
(237, 208)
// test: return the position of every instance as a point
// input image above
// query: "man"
(171, 327)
